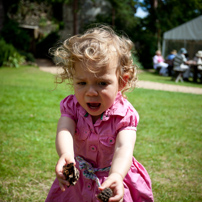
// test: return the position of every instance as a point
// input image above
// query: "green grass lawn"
(168, 143)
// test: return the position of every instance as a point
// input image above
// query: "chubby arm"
(123, 154)
(64, 137)
(121, 163)
(64, 147)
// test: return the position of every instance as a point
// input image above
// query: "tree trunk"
(75, 22)
(154, 6)
(113, 17)
(1, 15)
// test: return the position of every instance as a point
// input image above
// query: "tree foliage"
(146, 32)
(163, 15)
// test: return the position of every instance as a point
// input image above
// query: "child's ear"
(123, 81)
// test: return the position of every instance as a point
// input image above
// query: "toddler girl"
(97, 128)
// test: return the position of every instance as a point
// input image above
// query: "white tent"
(187, 35)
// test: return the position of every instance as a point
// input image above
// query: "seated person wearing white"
(199, 60)
(158, 62)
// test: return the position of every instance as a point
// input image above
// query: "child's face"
(96, 92)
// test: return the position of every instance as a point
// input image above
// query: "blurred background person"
(159, 64)
(172, 54)
(196, 65)
(199, 64)
(198, 60)
(169, 61)
(181, 64)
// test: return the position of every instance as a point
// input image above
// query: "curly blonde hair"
(97, 45)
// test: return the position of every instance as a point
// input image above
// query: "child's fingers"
(105, 184)
(63, 184)
(61, 162)
(59, 173)
(117, 188)
(59, 166)
(62, 187)
(116, 198)
(118, 195)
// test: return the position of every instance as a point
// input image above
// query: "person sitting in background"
(172, 54)
(158, 62)
(181, 64)
(197, 61)
(169, 61)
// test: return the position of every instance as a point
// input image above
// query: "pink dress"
(95, 143)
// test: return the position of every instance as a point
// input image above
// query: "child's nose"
(92, 91)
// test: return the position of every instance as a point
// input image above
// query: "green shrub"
(136, 61)
(15, 35)
(9, 55)
(29, 57)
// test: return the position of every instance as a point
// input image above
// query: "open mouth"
(93, 105)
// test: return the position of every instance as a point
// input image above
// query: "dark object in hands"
(71, 173)
(105, 194)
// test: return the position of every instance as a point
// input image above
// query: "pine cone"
(71, 173)
(105, 194)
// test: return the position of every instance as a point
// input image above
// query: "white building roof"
(191, 30)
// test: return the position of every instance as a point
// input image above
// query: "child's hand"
(115, 182)
(63, 160)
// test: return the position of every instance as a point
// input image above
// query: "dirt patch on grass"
(168, 87)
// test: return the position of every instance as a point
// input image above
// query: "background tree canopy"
(146, 33)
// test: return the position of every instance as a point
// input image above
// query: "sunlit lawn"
(169, 137)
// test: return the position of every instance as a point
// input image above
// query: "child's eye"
(102, 83)
(81, 83)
